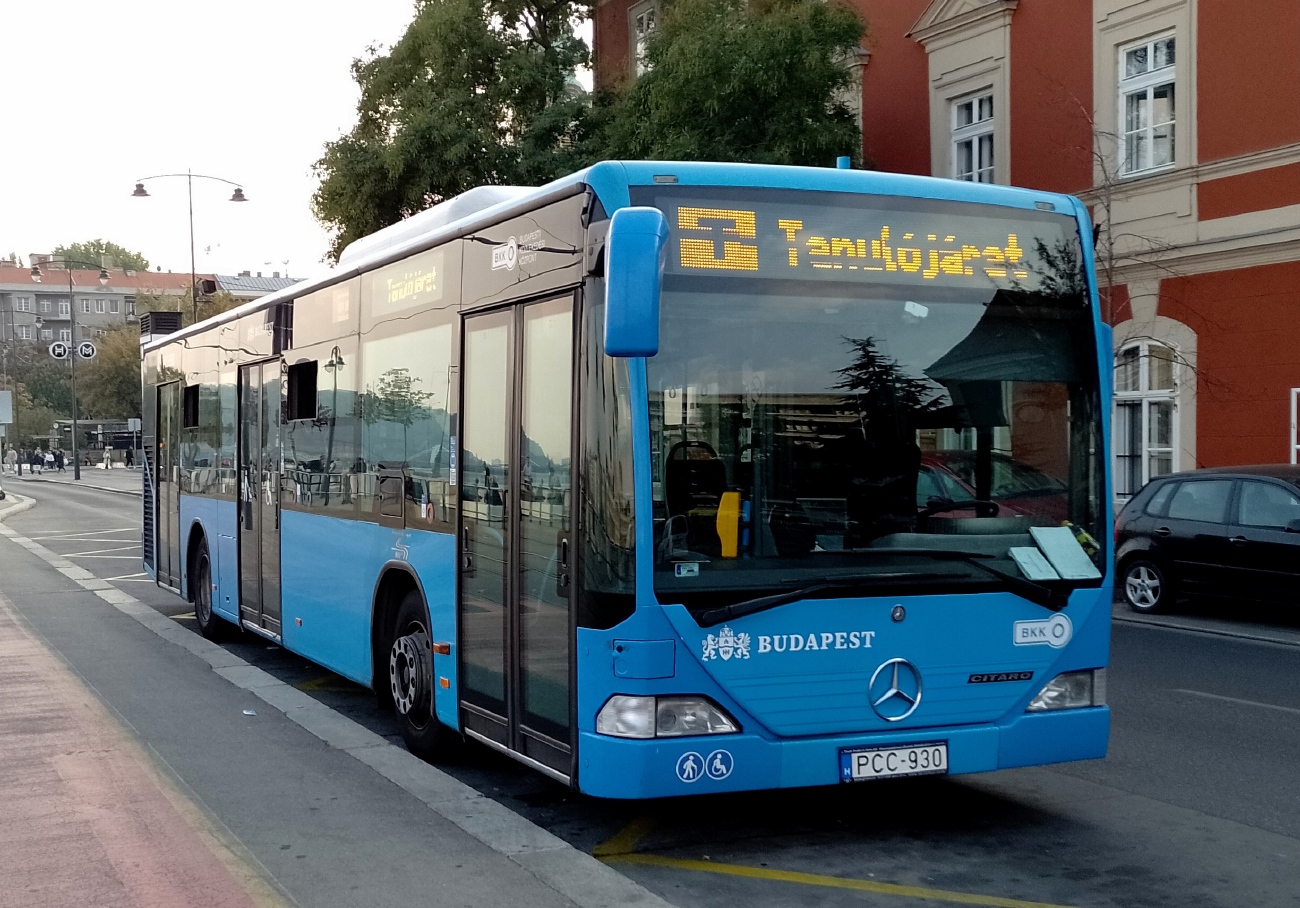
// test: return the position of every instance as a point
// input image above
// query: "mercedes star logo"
(895, 690)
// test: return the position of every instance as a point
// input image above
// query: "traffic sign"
(59, 350)
(86, 350)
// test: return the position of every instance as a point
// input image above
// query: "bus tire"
(209, 624)
(410, 681)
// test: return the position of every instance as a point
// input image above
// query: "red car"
(1017, 488)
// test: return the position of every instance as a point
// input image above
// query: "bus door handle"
(563, 576)
(1239, 540)
(1162, 531)
(466, 555)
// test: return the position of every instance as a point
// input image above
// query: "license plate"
(858, 764)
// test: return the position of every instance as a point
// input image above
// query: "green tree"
(475, 92)
(106, 254)
(109, 385)
(731, 80)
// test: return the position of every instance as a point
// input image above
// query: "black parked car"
(1228, 531)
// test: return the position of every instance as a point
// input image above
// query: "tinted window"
(1206, 500)
(1266, 505)
(1156, 506)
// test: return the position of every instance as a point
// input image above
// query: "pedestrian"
(49, 460)
(11, 460)
(108, 458)
(130, 458)
(58, 460)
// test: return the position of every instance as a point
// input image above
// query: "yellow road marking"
(324, 682)
(625, 840)
(834, 882)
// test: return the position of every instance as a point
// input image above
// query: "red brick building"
(1176, 121)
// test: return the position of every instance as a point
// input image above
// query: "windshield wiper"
(763, 603)
(1037, 593)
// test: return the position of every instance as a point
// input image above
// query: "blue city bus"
(670, 478)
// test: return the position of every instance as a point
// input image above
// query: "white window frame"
(99, 307)
(47, 334)
(24, 332)
(971, 134)
(45, 306)
(648, 10)
(1145, 397)
(85, 306)
(1146, 84)
(1295, 425)
(65, 334)
(65, 307)
(23, 304)
(115, 307)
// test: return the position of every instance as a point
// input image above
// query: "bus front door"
(259, 497)
(515, 610)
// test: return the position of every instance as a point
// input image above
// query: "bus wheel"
(209, 624)
(410, 679)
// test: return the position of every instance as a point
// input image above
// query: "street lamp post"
(72, 346)
(190, 177)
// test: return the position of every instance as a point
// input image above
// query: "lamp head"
(36, 274)
(140, 192)
(238, 195)
(103, 277)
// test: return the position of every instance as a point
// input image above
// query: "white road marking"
(87, 533)
(124, 577)
(120, 548)
(1201, 693)
(126, 557)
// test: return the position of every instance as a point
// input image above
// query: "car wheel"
(410, 680)
(1146, 588)
(210, 625)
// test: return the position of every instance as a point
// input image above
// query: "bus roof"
(611, 182)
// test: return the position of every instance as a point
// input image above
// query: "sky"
(102, 94)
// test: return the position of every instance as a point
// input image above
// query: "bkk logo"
(727, 644)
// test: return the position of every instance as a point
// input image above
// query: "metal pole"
(72, 366)
(194, 292)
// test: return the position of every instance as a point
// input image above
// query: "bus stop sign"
(86, 350)
(59, 350)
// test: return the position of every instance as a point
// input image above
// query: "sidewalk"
(118, 479)
(87, 819)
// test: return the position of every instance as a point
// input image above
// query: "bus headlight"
(1072, 690)
(625, 716)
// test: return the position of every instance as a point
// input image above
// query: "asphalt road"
(1198, 803)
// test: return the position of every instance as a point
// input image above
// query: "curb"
(85, 485)
(1209, 631)
(21, 503)
(574, 874)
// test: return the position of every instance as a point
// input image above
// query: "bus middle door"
(260, 413)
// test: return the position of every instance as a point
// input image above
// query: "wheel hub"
(410, 672)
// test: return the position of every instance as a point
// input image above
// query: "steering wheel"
(983, 507)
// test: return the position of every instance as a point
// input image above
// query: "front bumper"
(622, 768)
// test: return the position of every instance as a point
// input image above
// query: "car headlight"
(625, 716)
(1072, 690)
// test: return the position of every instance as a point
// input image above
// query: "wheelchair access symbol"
(719, 765)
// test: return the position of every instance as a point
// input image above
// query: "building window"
(115, 306)
(99, 306)
(1146, 416)
(45, 305)
(24, 304)
(85, 331)
(972, 139)
(65, 334)
(1295, 425)
(642, 19)
(64, 307)
(25, 332)
(85, 307)
(47, 334)
(1146, 104)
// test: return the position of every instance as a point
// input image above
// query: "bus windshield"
(854, 373)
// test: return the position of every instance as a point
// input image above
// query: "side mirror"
(635, 254)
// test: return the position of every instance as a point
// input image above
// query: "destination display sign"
(954, 244)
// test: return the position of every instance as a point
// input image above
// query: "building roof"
(243, 283)
(119, 281)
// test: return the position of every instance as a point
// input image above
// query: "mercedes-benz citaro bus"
(670, 478)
